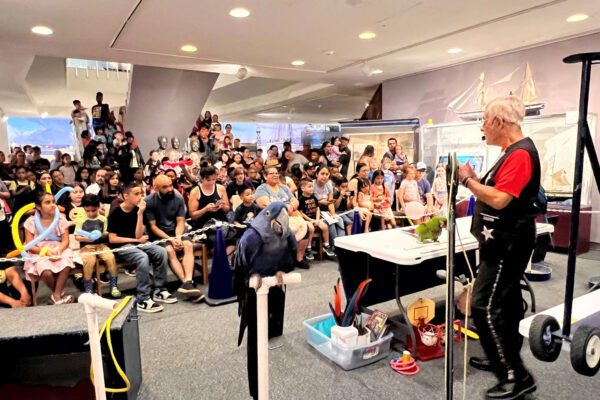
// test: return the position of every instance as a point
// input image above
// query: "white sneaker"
(163, 296)
(149, 306)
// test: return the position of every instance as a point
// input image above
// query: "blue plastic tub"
(316, 330)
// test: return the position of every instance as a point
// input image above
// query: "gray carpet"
(189, 352)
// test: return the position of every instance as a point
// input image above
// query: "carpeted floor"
(189, 352)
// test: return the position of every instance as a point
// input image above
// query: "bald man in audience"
(165, 217)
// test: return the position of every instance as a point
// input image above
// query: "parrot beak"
(280, 225)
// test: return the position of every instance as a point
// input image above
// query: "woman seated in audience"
(83, 177)
(44, 179)
(208, 201)
(54, 271)
(323, 191)
(224, 160)
(272, 156)
(274, 190)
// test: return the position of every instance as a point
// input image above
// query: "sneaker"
(302, 264)
(188, 289)
(149, 306)
(329, 251)
(114, 290)
(104, 278)
(163, 296)
(130, 272)
(88, 286)
(309, 254)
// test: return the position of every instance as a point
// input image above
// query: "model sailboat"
(478, 94)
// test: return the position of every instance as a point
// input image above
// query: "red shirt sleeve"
(514, 174)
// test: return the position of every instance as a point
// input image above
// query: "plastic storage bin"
(346, 357)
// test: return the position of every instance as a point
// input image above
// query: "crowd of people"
(118, 199)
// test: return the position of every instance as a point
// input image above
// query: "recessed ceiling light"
(42, 30)
(297, 63)
(367, 35)
(376, 71)
(454, 50)
(44, 114)
(189, 48)
(239, 13)
(577, 17)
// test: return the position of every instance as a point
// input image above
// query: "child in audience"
(389, 178)
(309, 207)
(439, 188)
(342, 200)
(54, 271)
(95, 222)
(111, 188)
(13, 292)
(382, 199)
(364, 201)
(334, 154)
(247, 210)
(21, 189)
(409, 190)
(138, 177)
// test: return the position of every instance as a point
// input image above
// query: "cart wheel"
(544, 345)
(585, 350)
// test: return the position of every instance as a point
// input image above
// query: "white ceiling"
(412, 36)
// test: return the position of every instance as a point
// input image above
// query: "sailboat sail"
(477, 95)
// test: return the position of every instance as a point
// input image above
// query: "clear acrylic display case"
(555, 137)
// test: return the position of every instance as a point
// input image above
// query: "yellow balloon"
(15, 226)
(44, 250)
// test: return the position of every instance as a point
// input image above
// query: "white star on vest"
(487, 233)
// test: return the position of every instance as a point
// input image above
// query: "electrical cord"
(106, 328)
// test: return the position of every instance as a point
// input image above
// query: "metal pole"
(576, 208)
(449, 337)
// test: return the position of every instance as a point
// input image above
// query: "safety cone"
(356, 224)
(220, 285)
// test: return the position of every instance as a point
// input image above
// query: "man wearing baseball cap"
(424, 187)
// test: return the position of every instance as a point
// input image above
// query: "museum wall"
(165, 101)
(427, 95)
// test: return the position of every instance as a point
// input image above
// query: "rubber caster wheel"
(544, 345)
(585, 350)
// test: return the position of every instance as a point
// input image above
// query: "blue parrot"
(266, 248)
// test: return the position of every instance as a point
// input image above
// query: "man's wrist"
(465, 181)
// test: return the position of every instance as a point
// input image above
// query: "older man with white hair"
(504, 225)
(165, 217)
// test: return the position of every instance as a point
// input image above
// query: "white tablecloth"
(403, 248)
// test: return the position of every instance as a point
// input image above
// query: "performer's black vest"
(521, 210)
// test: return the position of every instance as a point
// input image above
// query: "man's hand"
(177, 244)
(211, 207)
(466, 171)
(143, 239)
(142, 206)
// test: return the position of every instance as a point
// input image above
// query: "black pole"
(576, 207)
(452, 171)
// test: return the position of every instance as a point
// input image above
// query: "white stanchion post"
(262, 326)
(91, 303)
